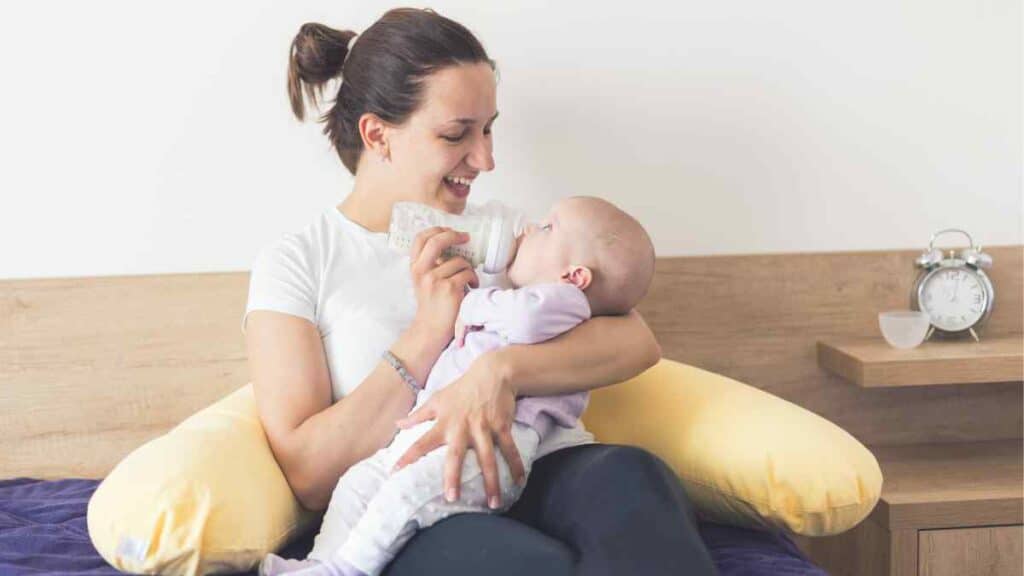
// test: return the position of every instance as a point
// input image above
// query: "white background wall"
(151, 137)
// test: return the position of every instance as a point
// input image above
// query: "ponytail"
(316, 56)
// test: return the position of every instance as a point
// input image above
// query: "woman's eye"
(546, 227)
(487, 132)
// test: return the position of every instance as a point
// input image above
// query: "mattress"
(43, 531)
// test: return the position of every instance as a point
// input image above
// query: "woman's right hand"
(440, 285)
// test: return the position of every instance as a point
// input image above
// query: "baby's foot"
(331, 568)
(273, 564)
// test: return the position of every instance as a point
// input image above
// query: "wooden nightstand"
(946, 508)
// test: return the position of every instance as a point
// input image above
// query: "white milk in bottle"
(492, 229)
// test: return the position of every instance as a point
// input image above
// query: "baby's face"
(544, 250)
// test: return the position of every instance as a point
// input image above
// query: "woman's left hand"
(474, 411)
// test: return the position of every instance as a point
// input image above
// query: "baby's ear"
(579, 276)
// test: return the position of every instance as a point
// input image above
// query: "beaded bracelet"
(397, 365)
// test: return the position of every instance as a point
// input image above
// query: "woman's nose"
(481, 158)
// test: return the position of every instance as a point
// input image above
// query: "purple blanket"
(43, 531)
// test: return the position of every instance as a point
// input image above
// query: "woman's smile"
(459, 187)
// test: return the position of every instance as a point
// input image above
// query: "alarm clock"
(954, 291)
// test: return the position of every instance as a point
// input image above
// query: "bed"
(93, 367)
(42, 531)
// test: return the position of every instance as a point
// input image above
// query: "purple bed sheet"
(43, 531)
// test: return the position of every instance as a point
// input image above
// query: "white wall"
(145, 137)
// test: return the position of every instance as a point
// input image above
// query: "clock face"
(954, 298)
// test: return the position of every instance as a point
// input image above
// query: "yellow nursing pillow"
(207, 497)
(745, 457)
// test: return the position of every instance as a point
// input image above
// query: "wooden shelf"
(945, 509)
(950, 484)
(871, 362)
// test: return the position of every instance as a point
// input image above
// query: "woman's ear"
(578, 276)
(373, 130)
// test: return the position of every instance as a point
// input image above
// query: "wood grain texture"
(867, 549)
(864, 550)
(872, 363)
(948, 485)
(933, 489)
(92, 367)
(758, 318)
(903, 556)
(983, 551)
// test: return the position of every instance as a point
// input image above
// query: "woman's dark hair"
(383, 74)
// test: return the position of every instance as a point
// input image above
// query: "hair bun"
(317, 55)
(320, 51)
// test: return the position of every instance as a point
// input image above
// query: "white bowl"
(903, 328)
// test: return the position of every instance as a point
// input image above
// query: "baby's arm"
(525, 315)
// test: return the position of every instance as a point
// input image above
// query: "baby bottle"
(493, 229)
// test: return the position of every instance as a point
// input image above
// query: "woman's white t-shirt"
(358, 292)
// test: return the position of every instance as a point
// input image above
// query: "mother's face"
(449, 136)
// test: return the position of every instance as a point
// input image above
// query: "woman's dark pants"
(589, 510)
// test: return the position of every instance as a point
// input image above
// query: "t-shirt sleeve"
(284, 278)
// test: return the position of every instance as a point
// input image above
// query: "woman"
(412, 120)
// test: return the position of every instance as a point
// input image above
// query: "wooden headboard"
(92, 367)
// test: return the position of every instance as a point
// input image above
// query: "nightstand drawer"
(988, 550)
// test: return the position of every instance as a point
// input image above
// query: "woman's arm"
(601, 351)
(315, 441)
(477, 409)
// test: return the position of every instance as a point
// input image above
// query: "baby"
(587, 258)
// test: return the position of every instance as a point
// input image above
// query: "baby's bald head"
(614, 246)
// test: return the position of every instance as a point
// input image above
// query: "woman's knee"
(621, 508)
(640, 475)
(614, 479)
(471, 544)
(635, 464)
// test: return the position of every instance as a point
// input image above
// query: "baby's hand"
(460, 332)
